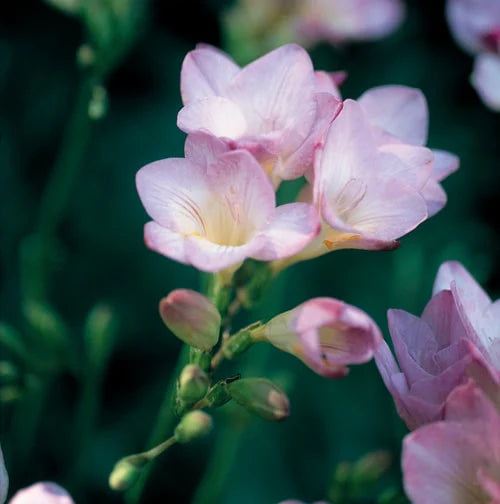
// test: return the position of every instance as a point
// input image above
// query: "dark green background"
(104, 259)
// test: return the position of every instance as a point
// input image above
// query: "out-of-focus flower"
(257, 26)
(192, 318)
(326, 334)
(454, 338)
(44, 492)
(475, 24)
(456, 461)
(216, 208)
(276, 108)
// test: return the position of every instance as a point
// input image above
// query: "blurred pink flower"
(214, 208)
(326, 334)
(475, 24)
(276, 108)
(456, 337)
(456, 461)
(42, 493)
(338, 21)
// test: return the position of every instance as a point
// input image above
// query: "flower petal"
(399, 110)
(292, 227)
(486, 79)
(203, 148)
(206, 71)
(216, 115)
(165, 242)
(42, 493)
(445, 163)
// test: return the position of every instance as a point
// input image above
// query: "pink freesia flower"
(39, 493)
(475, 24)
(42, 493)
(401, 115)
(340, 21)
(456, 461)
(326, 334)
(216, 208)
(368, 194)
(481, 319)
(437, 352)
(276, 107)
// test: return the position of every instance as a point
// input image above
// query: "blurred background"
(99, 258)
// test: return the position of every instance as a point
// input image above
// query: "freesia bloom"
(454, 338)
(475, 24)
(456, 461)
(39, 493)
(257, 26)
(326, 334)
(275, 107)
(216, 208)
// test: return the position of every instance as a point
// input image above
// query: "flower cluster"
(475, 24)
(448, 388)
(369, 180)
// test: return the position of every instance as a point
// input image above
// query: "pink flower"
(340, 21)
(42, 493)
(456, 461)
(214, 208)
(275, 107)
(401, 115)
(367, 194)
(481, 319)
(326, 334)
(475, 24)
(437, 352)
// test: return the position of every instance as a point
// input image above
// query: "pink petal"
(165, 242)
(203, 148)
(445, 163)
(398, 110)
(216, 115)
(434, 196)
(326, 83)
(42, 493)
(206, 72)
(276, 92)
(486, 79)
(293, 226)
(470, 20)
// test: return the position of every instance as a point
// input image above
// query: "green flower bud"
(192, 318)
(192, 426)
(193, 384)
(127, 471)
(261, 397)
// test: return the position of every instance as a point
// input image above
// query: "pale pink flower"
(326, 334)
(367, 194)
(456, 461)
(214, 208)
(340, 21)
(42, 493)
(276, 107)
(401, 115)
(454, 339)
(475, 24)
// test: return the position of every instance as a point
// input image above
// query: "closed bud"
(192, 318)
(192, 426)
(371, 467)
(261, 397)
(193, 384)
(127, 471)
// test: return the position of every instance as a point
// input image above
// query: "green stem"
(164, 425)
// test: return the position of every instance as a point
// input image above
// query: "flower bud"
(193, 384)
(192, 426)
(192, 318)
(127, 471)
(261, 397)
(371, 467)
